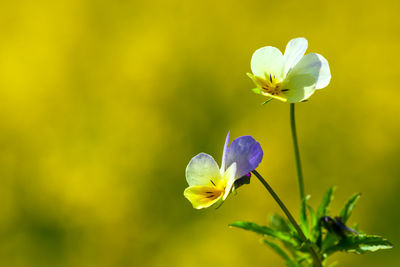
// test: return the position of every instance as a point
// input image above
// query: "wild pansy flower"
(292, 77)
(209, 184)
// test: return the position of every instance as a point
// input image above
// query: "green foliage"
(281, 224)
(348, 207)
(314, 223)
(264, 230)
(279, 230)
(360, 244)
(323, 209)
(327, 235)
(304, 225)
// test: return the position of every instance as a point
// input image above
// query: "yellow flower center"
(271, 85)
(219, 186)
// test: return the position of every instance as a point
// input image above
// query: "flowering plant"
(292, 78)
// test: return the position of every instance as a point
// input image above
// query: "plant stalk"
(316, 259)
(296, 152)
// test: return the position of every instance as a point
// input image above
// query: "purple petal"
(247, 154)
(223, 167)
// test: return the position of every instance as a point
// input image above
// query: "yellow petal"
(202, 196)
(274, 96)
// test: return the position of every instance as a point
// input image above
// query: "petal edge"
(201, 169)
(294, 51)
(246, 152)
(267, 60)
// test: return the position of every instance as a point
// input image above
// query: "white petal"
(224, 152)
(267, 60)
(230, 176)
(314, 65)
(201, 170)
(295, 50)
(324, 74)
(300, 87)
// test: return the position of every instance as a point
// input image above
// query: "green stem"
(314, 254)
(296, 152)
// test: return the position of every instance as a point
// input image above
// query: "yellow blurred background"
(103, 103)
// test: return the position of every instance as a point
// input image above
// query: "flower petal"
(247, 154)
(224, 152)
(295, 50)
(202, 196)
(202, 170)
(230, 176)
(324, 77)
(300, 87)
(267, 60)
(316, 66)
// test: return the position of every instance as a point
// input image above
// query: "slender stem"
(314, 254)
(296, 152)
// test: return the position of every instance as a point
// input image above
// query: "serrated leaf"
(281, 224)
(315, 228)
(313, 215)
(345, 213)
(323, 209)
(264, 230)
(289, 262)
(304, 225)
(360, 244)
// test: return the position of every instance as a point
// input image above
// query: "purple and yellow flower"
(209, 184)
(291, 77)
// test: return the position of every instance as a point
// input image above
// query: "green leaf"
(281, 224)
(264, 230)
(360, 244)
(313, 215)
(304, 225)
(289, 262)
(315, 230)
(323, 209)
(348, 207)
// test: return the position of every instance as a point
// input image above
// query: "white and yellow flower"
(209, 184)
(292, 77)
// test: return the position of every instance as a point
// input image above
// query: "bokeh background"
(103, 103)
